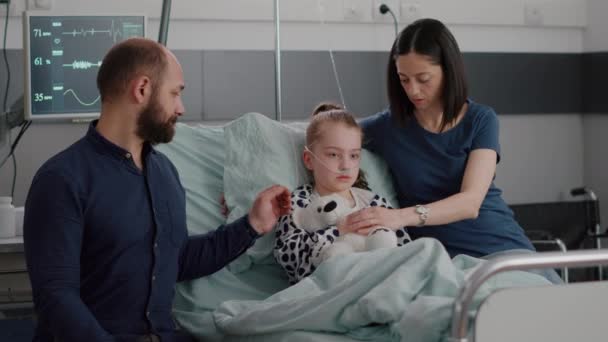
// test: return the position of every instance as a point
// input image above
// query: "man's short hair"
(127, 60)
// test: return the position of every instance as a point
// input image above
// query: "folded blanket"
(395, 294)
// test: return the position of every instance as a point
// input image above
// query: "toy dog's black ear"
(330, 206)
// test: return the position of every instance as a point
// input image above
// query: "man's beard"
(150, 126)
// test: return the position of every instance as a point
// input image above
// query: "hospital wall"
(595, 122)
(531, 72)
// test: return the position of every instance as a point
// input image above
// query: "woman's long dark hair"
(431, 38)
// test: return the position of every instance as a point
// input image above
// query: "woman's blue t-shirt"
(428, 167)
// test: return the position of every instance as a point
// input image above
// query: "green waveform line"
(79, 100)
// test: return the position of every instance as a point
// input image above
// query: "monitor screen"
(62, 56)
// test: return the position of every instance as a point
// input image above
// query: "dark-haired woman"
(442, 149)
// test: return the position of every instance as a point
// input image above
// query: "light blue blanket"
(411, 288)
(401, 294)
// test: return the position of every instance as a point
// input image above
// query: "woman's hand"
(367, 219)
(344, 227)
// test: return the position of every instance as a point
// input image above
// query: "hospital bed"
(252, 152)
(557, 313)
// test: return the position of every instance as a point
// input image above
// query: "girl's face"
(334, 158)
(421, 79)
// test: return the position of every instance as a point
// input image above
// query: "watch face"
(422, 210)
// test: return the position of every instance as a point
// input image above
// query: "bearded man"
(105, 220)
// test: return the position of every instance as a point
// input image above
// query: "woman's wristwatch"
(423, 214)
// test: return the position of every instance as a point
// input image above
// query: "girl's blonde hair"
(330, 112)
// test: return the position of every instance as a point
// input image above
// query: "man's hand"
(268, 207)
(224, 206)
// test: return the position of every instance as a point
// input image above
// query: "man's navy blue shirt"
(105, 243)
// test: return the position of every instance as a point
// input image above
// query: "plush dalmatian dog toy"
(324, 211)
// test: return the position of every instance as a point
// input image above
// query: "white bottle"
(7, 218)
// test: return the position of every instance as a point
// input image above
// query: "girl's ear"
(307, 159)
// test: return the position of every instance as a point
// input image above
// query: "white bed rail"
(460, 318)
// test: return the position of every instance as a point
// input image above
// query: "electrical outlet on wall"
(410, 11)
(12, 8)
(356, 10)
(39, 4)
(533, 15)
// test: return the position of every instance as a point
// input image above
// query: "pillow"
(198, 154)
(261, 152)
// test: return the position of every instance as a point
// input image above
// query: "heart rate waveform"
(113, 32)
(82, 65)
(86, 104)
